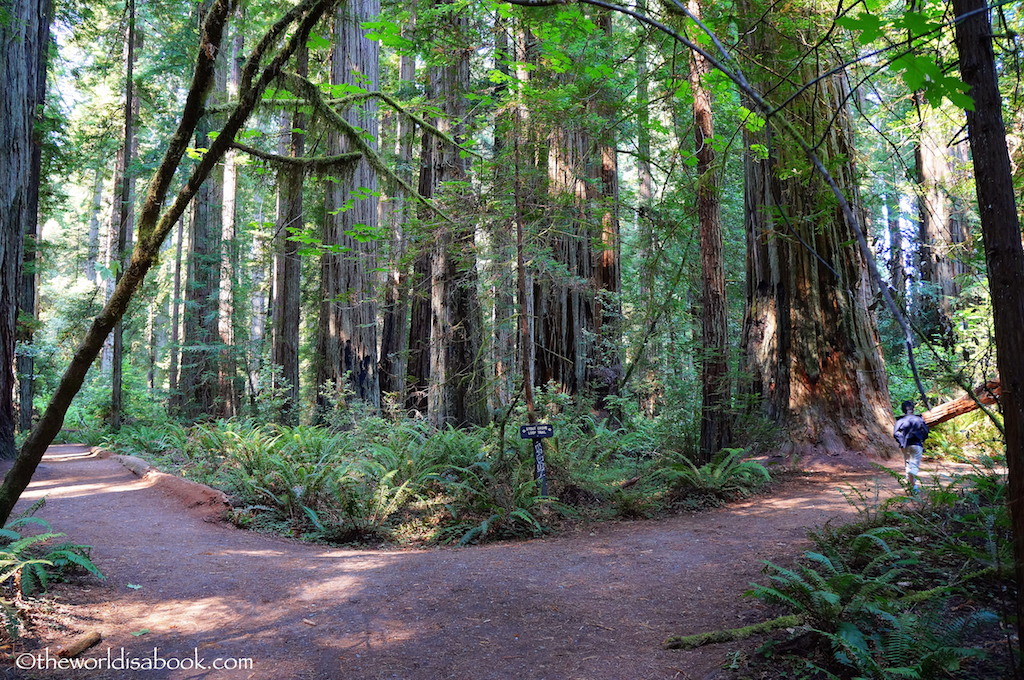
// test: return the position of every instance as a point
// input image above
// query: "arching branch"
(315, 164)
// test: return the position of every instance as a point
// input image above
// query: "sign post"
(538, 432)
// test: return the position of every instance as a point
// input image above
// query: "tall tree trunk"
(93, 236)
(347, 334)
(940, 227)
(1001, 231)
(124, 206)
(200, 373)
(810, 341)
(395, 327)
(285, 304)
(502, 241)
(648, 390)
(455, 390)
(24, 38)
(714, 354)
(261, 283)
(605, 370)
(230, 381)
(28, 295)
(897, 270)
(174, 399)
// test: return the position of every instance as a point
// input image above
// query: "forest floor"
(594, 603)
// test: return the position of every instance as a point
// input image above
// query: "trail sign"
(538, 432)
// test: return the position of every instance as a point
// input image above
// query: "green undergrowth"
(33, 556)
(373, 480)
(920, 586)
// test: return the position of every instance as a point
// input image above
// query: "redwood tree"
(714, 360)
(1000, 228)
(811, 346)
(347, 334)
(24, 37)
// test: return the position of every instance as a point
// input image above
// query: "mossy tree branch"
(312, 94)
(732, 634)
(315, 164)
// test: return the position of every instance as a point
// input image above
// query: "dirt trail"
(590, 605)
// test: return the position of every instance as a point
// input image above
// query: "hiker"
(910, 433)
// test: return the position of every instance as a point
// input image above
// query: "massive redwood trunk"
(24, 35)
(811, 346)
(347, 337)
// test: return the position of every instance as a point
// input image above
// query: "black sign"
(536, 431)
(539, 469)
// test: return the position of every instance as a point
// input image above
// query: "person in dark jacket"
(910, 433)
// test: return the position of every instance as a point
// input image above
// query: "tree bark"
(347, 334)
(811, 345)
(285, 300)
(28, 295)
(93, 238)
(231, 384)
(714, 354)
(1000, 227)
(199, 379)
(124, 207)
(174, 399)
(395, 326)
(897, 271)
(940, 229)
(24, 37)
(455, 390)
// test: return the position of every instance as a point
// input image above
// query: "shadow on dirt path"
(590, 605)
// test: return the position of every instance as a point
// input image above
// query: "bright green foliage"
(29, 562)
(371, 478)
(727, 476)
(901, 593)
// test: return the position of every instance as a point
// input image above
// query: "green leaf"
(868, 25)
(317, 42)
(852, 635)
(917, 23)
(963, 101)
(760, 151)
(139, 633)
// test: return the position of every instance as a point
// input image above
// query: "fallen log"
(986, 394)
(79, 645)
(732, 634)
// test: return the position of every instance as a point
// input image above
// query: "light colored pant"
(912, 459)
